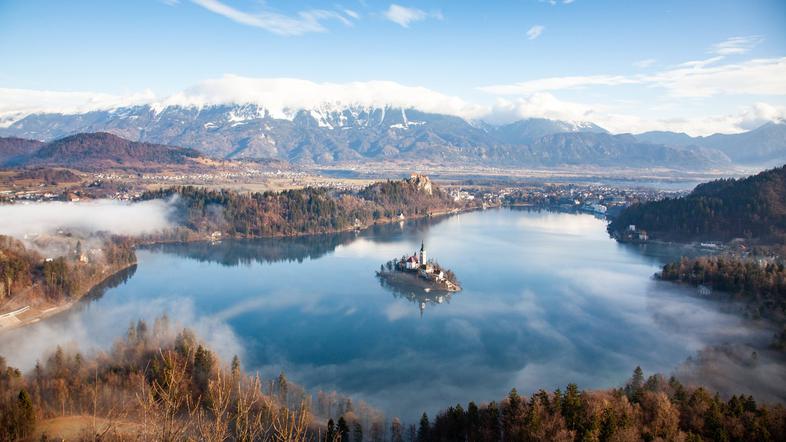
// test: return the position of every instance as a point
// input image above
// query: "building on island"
(419, 264)
(418, 261)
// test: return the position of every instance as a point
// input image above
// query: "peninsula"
(417, 271)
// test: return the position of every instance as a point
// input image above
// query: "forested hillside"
(156, 384)
(92, 151)
(753, 208)
(27, 277)
(302, 211)
(654, 409)
(12, 147)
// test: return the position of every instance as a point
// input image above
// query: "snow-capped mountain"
(332, 133)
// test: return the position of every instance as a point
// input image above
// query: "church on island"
(418, 264)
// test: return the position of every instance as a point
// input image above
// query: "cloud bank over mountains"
(763, 80)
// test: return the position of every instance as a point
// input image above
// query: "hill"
(100, 151)
(13, 147)
(765, 145)
(357, 134)
(618, 151)
(752, 208)
(300, 211)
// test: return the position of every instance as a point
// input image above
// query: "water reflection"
(541, 306)
(289, 249)
(418, 296)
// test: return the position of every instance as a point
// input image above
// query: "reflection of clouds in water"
(96, 328)
(368, 248)
(559, 223)
(464, 330)
(397, 310)
(538, 311)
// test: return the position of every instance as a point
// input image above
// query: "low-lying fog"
(22, 220)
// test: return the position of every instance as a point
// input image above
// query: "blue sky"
(619, 63)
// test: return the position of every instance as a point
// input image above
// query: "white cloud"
(535, 31)
(648, 62)
(756, 77)
(282, 96)
(403, 16)
(303, 22)
(546, 105)
(703, 78)
(736, 45)
(764, 80)
(742, 119)
(540, 105)
(556, 83)
(17, 103)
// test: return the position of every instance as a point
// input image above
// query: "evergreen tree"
(424, 429)
(636, 385)
(25, 415)
(512, 417)
(343, 429)
(330, 434)
(473, 422)
(490, 422)
(571, 406)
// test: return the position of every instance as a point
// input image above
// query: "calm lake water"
(548, 299)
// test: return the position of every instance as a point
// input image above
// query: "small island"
(416, 271)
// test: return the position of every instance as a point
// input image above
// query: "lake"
(548, 298)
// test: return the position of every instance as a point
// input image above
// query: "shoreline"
(409, 281)
(380, 221)
(33, 315)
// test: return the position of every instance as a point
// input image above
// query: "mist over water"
(548, 299)
(123, 218)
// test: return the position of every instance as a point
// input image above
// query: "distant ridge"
(13, 147)
(98, 151)
(765, 145)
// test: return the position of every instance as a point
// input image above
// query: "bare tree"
(213, 424)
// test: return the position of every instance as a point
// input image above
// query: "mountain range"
(355, 134)
(765, 145)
